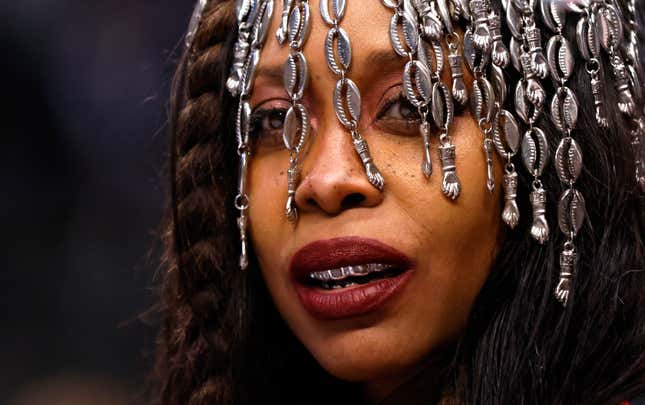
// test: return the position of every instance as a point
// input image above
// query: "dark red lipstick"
(354, 300)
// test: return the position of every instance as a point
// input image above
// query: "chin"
(362, 357)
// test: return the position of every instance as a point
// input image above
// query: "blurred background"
(84, 96)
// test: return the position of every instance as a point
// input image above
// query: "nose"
(332, 176)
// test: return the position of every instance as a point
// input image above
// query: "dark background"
(84, 95)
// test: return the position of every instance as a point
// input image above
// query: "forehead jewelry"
(418, 29)
(568, 157)
(346, 96)
(530, 96)
(415, 32)
(253, 18)
(294, 29)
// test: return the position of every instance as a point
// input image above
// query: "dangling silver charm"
(597, 91)
(499, 52)
(431, 25)
(540, 227)
(373, 174)
(281, 33)
(481, 31)
(567, 266)
(426, 166)
(538, 62)
(534, 91)
(459, 92)
(490, 172)
(626, 103)
(510, 213)
(450, 183)
(292, 182)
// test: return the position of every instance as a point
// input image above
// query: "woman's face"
(450, 244)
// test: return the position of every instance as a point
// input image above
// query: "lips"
(336, 253)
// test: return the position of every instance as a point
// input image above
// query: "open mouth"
(348, 276)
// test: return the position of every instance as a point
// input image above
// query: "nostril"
(352, 200)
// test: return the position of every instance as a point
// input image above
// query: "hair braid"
(194, 362)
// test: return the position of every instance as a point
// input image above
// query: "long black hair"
(222, 341)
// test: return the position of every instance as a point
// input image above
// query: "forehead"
(366, 23)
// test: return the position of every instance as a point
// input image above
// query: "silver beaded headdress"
(419, 31)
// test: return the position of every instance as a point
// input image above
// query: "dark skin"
(452, 243)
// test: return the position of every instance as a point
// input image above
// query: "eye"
(398, 107)
(267, 124)
(398, 115)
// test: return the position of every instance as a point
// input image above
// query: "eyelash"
(258, 117)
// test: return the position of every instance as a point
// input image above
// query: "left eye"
(266, 126)
(399, 108)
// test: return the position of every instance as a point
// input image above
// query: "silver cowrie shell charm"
(262, 23)
(587, 38)
(295, 75)
(571, 211)
(442, 106)
(482, 100)
(296, 128)
(560, 58)
(521, 103)
(472, 55)
(499, 84)
(610, 28)
(564, 109)
(568, 160)
(416, 83)
(243, 123)
(431, 55)
(409, 31)
(337, 43)
(535, 152)
(248, 72)
(299, 24)
(335, 14)
(347, 92)
(506, 136)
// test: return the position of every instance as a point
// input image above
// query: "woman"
(366, 201)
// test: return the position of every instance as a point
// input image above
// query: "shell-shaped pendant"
(417, 83)
(564, 109)
(296, 128)
(262, 23)
(346, 92)
(506, 136)
(560, 58)
(410, 34)
(568, 160)
(482, 100)
(431, 55)
(337, 43)
(295, 75)
(571, 211)
(535, 151)
(442, 106)
(499, 84)
(335, 14)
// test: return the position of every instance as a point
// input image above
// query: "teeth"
(348, 271)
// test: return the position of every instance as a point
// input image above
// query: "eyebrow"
(386, 60)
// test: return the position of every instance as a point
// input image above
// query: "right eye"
(266, 126)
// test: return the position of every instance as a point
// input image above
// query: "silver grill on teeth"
(348, 271)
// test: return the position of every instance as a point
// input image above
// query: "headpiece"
(419, 31)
